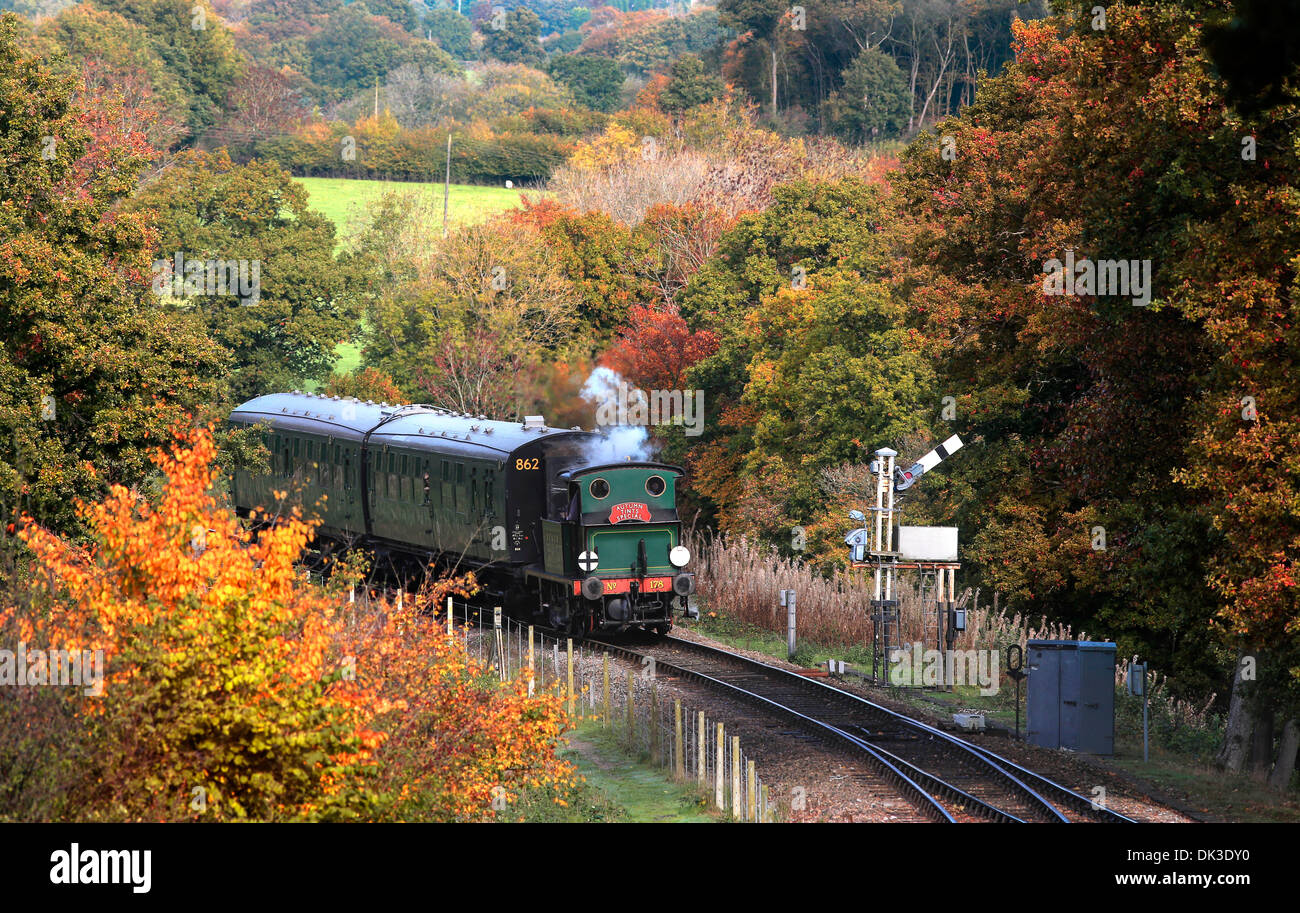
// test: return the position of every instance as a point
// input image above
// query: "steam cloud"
(618, 442)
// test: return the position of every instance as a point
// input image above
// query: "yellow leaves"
(615, 146)
(223, 657)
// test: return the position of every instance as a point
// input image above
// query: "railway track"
(945, 778)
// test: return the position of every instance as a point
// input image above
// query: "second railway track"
(946, 778)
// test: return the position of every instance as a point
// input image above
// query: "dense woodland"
(834, 219)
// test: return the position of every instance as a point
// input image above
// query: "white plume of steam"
(618, 442)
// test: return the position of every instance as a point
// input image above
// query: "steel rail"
(925, 803)
(1011, 775)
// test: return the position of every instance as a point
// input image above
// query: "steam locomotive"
(559, 531)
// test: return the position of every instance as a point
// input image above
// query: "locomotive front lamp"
(679, 555)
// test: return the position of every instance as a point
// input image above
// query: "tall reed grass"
(744, 580)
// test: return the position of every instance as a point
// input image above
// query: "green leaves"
(208, 208)
(77, 320)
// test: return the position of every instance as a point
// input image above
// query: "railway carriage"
(556, 534)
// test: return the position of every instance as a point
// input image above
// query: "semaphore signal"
(903, 478)
(873, 545)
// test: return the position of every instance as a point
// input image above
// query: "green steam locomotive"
(561, 529)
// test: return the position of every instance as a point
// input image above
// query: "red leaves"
(656, 349)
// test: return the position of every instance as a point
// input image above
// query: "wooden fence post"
(735, 776)
(498, 645)
(532, 666)
(569, 654)
(605, 669)
(720, 771)
(751, 801)
(451, 615)
(702, 773)
(631, 712)
(679, 763)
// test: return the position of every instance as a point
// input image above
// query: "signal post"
(886, 549)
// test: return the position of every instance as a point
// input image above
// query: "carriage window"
(446, 471)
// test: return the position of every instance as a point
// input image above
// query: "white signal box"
(926, 543)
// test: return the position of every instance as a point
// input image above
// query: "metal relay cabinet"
(1071, 696)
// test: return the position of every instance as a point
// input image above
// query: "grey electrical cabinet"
(1071, 695)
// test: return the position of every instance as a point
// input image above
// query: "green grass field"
(342, 199)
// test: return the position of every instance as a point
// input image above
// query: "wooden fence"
(683, 740)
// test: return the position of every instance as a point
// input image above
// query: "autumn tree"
(253, 220)
(759, 19)
(475, 310)
(1136, 447)
(353, 49)
(116, 56)
(873, 101)
(94, 372)
(513, 37)
(399, 12)
(655, 350)
(233, 688)
(263, 102)
(596, 82)
(196, 46)
(813, 367)
(363, 384)
(689, 85)
(609, 265)
(450, 30)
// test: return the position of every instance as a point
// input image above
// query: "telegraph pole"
(446, 186)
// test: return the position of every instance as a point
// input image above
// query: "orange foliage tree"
(236, 688)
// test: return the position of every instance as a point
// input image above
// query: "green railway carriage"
(556, 534)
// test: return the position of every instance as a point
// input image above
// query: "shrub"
(234, 688)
